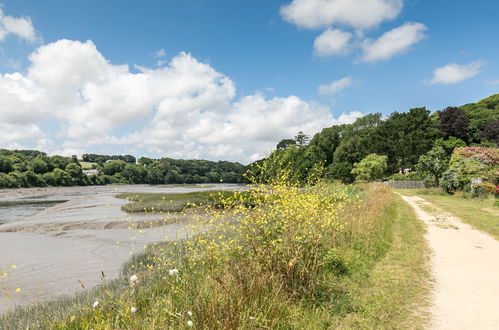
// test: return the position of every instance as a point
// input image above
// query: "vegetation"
(370, 168)
(164, 203)
(31, 168)
(481, 213)
(407, 140)
(319, 256)
(472, 162)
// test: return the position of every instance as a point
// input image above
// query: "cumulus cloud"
(332, 42)
(21, 27)
(454, 73)
(358, 14)
(185, 109)
(393, 42)
(335, 86)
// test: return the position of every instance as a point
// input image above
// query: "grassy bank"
(164, 203)
(327, 257)
(482, 214)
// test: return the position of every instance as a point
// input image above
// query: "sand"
(465, 267)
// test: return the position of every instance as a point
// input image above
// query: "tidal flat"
(63, 240)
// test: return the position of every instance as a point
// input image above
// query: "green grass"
(374, 277)
(87, 165)
(164, 203)
(394, 294)
(481, 214)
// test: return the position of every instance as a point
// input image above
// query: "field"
(322, 257)
(482, 214)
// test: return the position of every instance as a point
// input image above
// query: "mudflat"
(64, 248)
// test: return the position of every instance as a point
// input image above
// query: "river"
(60, 240)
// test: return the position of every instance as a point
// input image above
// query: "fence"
(406, 184)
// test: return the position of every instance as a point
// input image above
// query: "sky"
(227, 80)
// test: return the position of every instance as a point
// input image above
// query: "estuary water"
(58, 241)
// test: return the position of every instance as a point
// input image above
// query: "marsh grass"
(174, 202)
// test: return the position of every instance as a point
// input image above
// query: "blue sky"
(229, 79)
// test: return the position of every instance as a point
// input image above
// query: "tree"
(75, 172)
(454, 122)
(403, 137)
(39, 166)
(6, 165)
(302, 139)
(371, 168)
(449, 144)
(480, 114)
(434, 162)
(285, 143)
(490, 132)
(114, 166)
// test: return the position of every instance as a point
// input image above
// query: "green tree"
(39, 165)
(371, 168)
(6, 165)
(285, 143)
(302, 139)
(114, 166)
(480, 114)
(434, 162)
(75, 172)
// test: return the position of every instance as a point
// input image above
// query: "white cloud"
(12, 134)
(358, 14)
(454, 73)
(348, 118)
(21, 27)
(160, 53)
(393, 42)
(185, 109)
(335, 86)
(332, 42)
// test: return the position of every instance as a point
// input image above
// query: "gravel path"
(465, 267)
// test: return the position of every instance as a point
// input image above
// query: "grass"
(318, 258)
(481, 214)
(87, 165)
(174, 202)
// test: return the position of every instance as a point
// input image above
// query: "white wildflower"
(96, 304)
(173, 272)
(133, 309)
(133, 279)
(190, 324)
(189, 313)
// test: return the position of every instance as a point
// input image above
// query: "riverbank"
(70, 247)
(363, 267)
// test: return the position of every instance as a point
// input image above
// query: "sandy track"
(465, 267)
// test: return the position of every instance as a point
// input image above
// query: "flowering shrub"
(251, 260)
(488, 156)
(470, 162)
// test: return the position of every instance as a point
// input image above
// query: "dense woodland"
(413, 145)
(410, 145)
(31, 168)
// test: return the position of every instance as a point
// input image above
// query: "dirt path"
(465, 267)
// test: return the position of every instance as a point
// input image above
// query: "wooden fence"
(406, 184)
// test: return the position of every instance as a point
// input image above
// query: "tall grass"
(294, 257)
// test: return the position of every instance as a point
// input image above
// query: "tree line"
(32, 168)
(416, 144)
